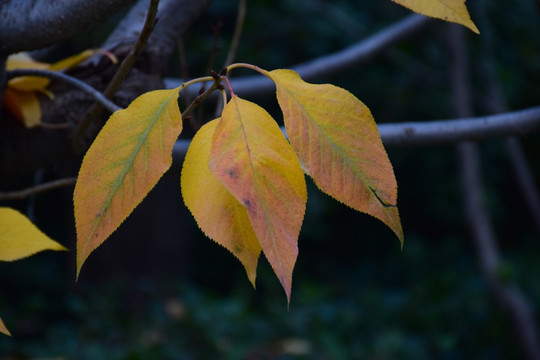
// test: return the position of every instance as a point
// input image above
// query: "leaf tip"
(3, 328)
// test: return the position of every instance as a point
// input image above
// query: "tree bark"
(29, 25)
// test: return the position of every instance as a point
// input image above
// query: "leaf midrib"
(129, 165)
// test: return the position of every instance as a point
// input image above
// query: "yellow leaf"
(72, 61)
(24, 105)
(26, 83)
(219, 215)
(22, 100)
(253, 160)
(19, 238)
(3, 328)
(125, 161)
(449, 10)
(338, 143)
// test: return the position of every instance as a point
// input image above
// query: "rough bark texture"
(29, 25)
(173, 18)
(23, 151)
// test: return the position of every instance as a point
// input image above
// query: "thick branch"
(360, 53)
(29, 25)
(444, 131)
(468, 129)
(174, 17)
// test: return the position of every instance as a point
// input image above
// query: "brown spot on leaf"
(233, 173)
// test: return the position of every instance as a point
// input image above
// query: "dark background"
(158, 289)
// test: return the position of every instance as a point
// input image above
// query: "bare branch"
(468, 129)
(29, 25)
(21, 194)
(360, 53)
(496, 103)
(242, 9)
(109, 105)
(443, 131)
(121, 73)
(484, 238)
(174, 17)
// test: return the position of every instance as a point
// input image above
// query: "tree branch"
(121, 73)
(109, 105)
(21, 194)
(434, 132)
(360, 53)
(29, 25)
(467, 129)
(484, 239)
(174, 16)
(242, 9)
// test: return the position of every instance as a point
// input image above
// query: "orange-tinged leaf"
(24, 105)
(219, 215)
(253, 160)
(449, 10)
(26, 83)
(37, 83)
(125, 161)
(19, 238)
(338, 143)
(3, 328)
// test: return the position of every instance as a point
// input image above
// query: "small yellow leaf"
(3, 328)
(449, 10)
(24, 105)
(26, 83)
(125, 161)
(338, 143)
(253, 160)
(219, 215)
(72, 61)
(19, 238)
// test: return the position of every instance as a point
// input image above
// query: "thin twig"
(524, 178)
(121, 73)
(3, 80)
(242, 10)
(497, 104)
(99, 97)
(508, 296)
(21, 194)
(200, 98)
(359, 53)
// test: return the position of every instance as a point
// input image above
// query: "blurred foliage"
(355, 294)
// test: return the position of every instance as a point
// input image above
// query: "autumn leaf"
(449, 10)
(3, 328)
(338, 143)
(126, 160)
(21, 93)
(219, 215)
(24, 105)
(19, 238)
(252, 159)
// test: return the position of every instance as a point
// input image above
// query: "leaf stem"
(201, 97)
(224, 97)
(228, 85)
(248, 66)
